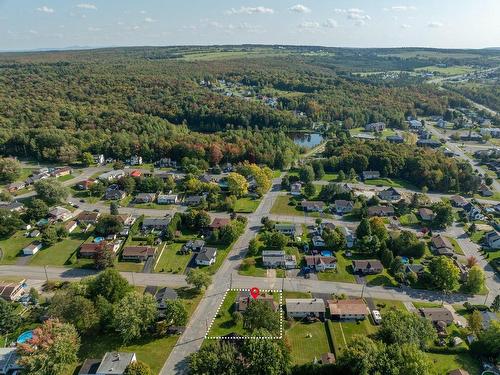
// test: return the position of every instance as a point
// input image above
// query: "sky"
(37, 24)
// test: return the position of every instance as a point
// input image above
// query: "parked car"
(377, 318)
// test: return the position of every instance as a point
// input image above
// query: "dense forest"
(149, 101)
(419, 166)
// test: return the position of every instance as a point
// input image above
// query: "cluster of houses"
(39, 174)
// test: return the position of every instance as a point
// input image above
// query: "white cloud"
(299, 8)
(45, 9)
(405, 26)
(330, 23)
(91, 28)
(402, 8)
(149, 20)
(309, 25)
(86, 6)
(435, 24)
(142, 12)
(355, 14)
(34, 32)
(250, 10)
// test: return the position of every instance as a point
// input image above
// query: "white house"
(206, 257)
(343, 206)
(32, 248)
(112, 175)
(492, 239)
(136, 160)
(168, 199)
(320, 263)
(305, 307)
(349, 236)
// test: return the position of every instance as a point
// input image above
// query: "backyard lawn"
(252, 266)
(223, 323)
(443, 363)
(394, 182)
(381, 279)
(343, 273)
(60, 253)
(308, 341)
(343, 331)
(12, 247)
(172, 262)
(281, 207)
(246, 205)
(384, 305)
(456, 246)
(66, 178)
(409, 219)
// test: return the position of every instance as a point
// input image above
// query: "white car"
(377, 318)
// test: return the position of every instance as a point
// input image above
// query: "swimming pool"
(405, 260)
(326, 253)
(25, 336)
(98, 239)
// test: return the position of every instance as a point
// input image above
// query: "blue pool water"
(25, 336)
(326, 253)
(98, 239)
(405, 260)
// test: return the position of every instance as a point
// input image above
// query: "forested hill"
(148, 101)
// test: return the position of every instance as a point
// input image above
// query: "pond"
(308, 140)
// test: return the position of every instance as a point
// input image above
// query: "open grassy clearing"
(282, 207)
(391, 182)
(12, 247)
(308, 341)
(246, 205)
(171, 261)
(456, 247)
(409, 220)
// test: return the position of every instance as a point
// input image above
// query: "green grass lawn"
(294, 294)
(343, 332)
(66, 178)
(384, 305)
(419, 305)
(477, 236)
(330, 177)
(12, 247)
(307, 341)
(494, 197)
(281, 207)
(246, 205)
(59, 253)
(447, 70)
(223, 323)
(409, 219)
(153, 206)
(276, 173)
(252, 266)
(393, 182)
(381, 279)
(343, 273)
(456, 246)
(443, 363)
(222, 251)
(172, 262)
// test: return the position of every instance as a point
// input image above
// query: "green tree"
(127, 184)
(443, 215)
(275, 239)
(341, 176)
(137, 368)
(475, 321)
(306, 174)
(260, 315)
(363, 229)
(488, 342)
(49, 236)
(10, 170)
(74, 309)
(319, 170)
(495, 305)
(198, 278)
(378, 228)
(110, 285)
(334, 239)
(109, 225)
(256, 355)
(134, 315)
(87, 159)
(9, 223)
(51, 191)
(97, 190)
(309, 190)
(113, 209)
(36, 210)
(10, 320)
(54, 346)
(104, 258)
(475, 280)
(402, 327)
(358, 357)
(387, 258)
(253, 247)
(202, 220)
(216, 358)
(175, 313)
(444, 273)
(237, 184)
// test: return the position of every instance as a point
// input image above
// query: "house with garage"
(426, 214)
(313, 206)
(194, 200)
(343, 207)
(431, 143)
(485, 191)
(286, 228)
(441, 245)
(367, 266)
(12, 291)
(112, 175)
(70, 226)
(348, 309)
(59, 214)
(390, 195)
(86, 184)
(156, 223)
(167, 199)
(32, 248)
(62, 171)
(458, 201)
(320, 263)
(375, 127)
(305, 308)
(13, 206)
(114, 194)
(415, 125)
(244, 299)
(278, 259)
(88, 217)
(113, 363)
(15, 186)
(206, 257)
(138, 253)
(295, 189)
(218, 223)
(437, 314)
(492, 239)
(395, 139)
(318, 242)
(381, 211)
(473, 212)
(145, 198)
(89, 250)
(370, 175)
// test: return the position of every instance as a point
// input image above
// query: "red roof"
(136, 173)
(219, 222)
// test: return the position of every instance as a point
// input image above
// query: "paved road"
(194, 334)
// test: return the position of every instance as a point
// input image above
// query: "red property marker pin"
(254, 292)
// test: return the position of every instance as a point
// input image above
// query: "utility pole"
(46, 275)
(133, 279)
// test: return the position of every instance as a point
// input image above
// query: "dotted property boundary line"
(280, 337)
